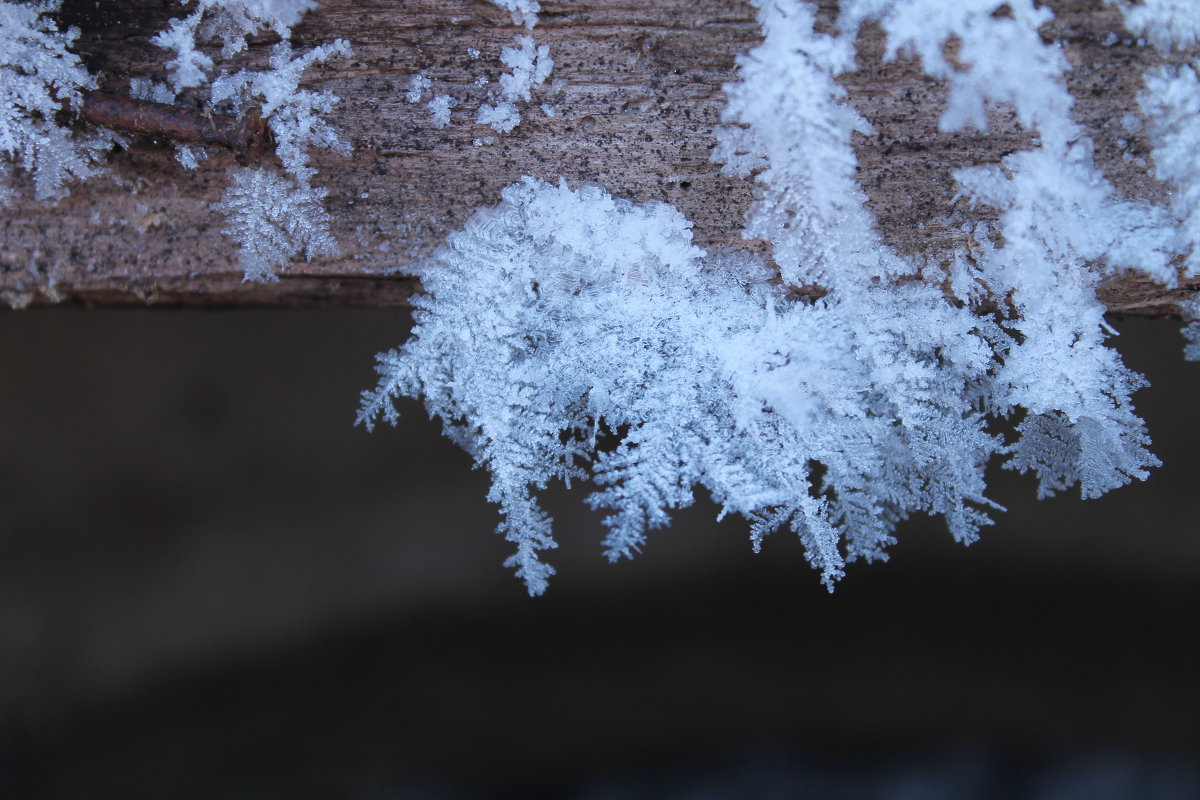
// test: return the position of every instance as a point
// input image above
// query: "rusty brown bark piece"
(247, 136)
(636, 94)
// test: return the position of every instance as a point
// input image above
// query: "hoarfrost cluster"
(1166, 24)
(288, 217)
(529, 66)
(269, 237)
(231, 21)
(524, 12)
(570, 335)
(565, 316)
(567, 335)
(417, 86)
(439, 109)
(274, 218)
(39, 75)
(1171, 105)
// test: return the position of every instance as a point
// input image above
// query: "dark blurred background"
(213, 586)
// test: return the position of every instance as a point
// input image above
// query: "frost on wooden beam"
(640, 94)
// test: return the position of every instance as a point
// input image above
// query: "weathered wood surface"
(637, 87)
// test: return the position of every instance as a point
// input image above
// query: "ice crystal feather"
(38, 74)
(564, 312)
(287, 217)
(274, 219)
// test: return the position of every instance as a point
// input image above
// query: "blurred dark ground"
(213, 586)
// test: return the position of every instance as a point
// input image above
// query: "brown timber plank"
(637, 85)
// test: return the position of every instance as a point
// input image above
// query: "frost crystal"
(503, 117)
(229, 20)
(144, 89)
(1166, 24)
(531, 66)
(439, 108)
(1059, 215)
(293, 220)
(563, 314)
(38, 75)
(189, 157)
(294, 114)
(1191, 332)
(417, 86)
(569, 335)
(190, 66)
(794, 132)
(273, 219)
(524, 12)
(1171, 103)
(989, 45)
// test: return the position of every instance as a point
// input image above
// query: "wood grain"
(637, 91)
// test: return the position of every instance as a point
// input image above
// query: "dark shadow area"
(213, 586)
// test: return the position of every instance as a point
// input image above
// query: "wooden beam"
(635, 95)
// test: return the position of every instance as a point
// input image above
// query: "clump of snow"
(439, 109)
(503, 117)
(294, 114)
(1000, 56)
(38, 76)
(417, 86)
(563, 319)
(562, 314)
(1167, 24)
(792, 131)
(229, 20)
(273, 219)
(1171, 103)
(531, 66)
(524, 12)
